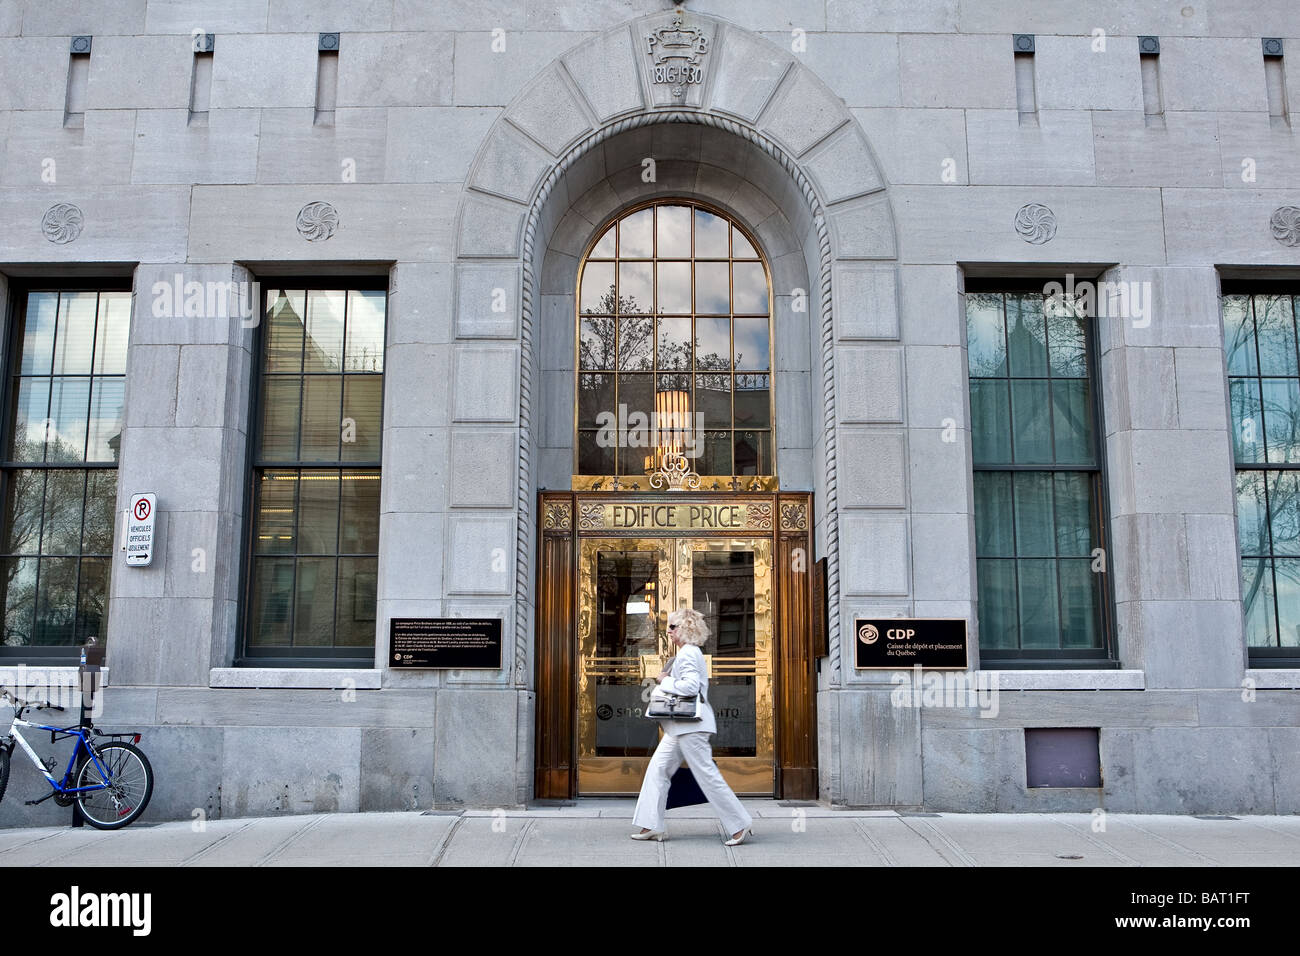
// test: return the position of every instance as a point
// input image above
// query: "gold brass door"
(626, 588)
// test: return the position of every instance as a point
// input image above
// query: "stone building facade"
(889, 162)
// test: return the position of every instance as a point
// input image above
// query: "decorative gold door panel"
(627, 586)
(611, 566)
(621, 586)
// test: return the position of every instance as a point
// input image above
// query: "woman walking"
(687, 738)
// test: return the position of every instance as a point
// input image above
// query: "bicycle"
(114, 779)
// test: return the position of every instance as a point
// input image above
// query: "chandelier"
(668, 465)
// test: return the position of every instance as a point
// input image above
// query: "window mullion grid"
(45, 441)
(1266, 471)
(617, 310)
(90, 383)
(1051, 475)
(338, 504)
(1011, 432)
(85, 477)
(338, 556)
(732, 380)
(297, 485)
(1101, 583)
(1268, 556)
(691, 383)
(1259, 379)
(690, 374)
(49, 398)
(293, 559)
(1268, 513)
(40, 538)
(1096, 482)
(81, 532)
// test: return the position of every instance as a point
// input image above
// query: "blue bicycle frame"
(81, 735)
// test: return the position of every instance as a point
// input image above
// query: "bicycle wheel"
(129, 786)
(4, 771)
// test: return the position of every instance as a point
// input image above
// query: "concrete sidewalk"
(595, 832)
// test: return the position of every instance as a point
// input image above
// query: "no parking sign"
(139, 529)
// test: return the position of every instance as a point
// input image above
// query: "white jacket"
(689, 676)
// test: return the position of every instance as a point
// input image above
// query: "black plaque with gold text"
(458, 643)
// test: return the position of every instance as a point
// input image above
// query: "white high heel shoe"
(648, 835)
(736, 841)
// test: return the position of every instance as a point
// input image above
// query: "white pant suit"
(689, 739)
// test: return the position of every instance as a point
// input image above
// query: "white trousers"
(699, 757)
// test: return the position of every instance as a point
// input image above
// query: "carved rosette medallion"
(317, 221)
(1035, 223)
(1285, 223)
(62, 223)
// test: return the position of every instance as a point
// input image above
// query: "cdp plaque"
(457, 643)
(895, 643)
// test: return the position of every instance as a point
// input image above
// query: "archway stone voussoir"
(843, 167)
(549, 111)
(803, 112)
(509, 164)
(746, 70)
(863, 228)
(489, 227)
(605, 71)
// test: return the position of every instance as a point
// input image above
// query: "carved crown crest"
(677, 42)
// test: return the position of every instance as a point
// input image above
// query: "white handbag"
(666, 706)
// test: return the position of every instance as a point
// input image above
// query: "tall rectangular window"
(315, 476)
(1264, 388)
(63, 426)
(1039, 526)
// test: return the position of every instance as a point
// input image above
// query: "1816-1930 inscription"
(457, 643)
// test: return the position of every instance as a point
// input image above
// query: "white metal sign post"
(139, 529)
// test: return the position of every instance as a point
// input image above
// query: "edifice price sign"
(894, 643)
(458, 643)
(686, 514)
(140, 518)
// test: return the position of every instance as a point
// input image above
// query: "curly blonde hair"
(691, 626)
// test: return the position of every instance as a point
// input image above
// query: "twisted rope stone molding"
(1285, 223)
(62, 223)
(524, 502)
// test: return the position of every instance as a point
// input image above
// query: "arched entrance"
(748, 132)
(674, 410)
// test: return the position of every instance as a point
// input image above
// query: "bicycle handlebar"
(6, 693)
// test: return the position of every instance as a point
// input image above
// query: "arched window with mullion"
(674, 312)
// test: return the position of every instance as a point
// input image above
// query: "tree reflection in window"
(62, 439)
(674, 297)
(1037, 478)
(1260, 340)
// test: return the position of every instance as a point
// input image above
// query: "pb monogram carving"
(677, 56)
